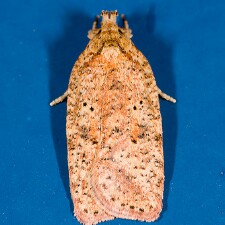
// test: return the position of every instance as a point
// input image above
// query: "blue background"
(39, 43)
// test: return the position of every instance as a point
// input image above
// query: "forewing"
(83, 139)
(128, 175)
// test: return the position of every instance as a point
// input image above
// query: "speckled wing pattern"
(114, 131)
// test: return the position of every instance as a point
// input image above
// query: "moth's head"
(109, 18)
(109, 25)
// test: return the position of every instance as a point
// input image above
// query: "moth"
(114, 129)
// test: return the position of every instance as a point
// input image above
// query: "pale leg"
(59, 99)
(125, 22)
(165, 96)
(94, 30)
(126, 26)
(95, 23)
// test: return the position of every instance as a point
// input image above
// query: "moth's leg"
(125, 22)
(94, 30)
(126, 26)
(165, 96)
(95, 23)
(59, 99)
